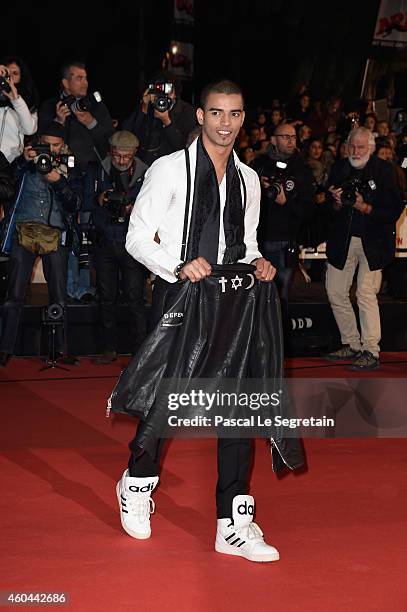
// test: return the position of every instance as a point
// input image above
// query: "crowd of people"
(321, 132)
(166, 193)
(59, 209)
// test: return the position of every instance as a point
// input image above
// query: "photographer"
(87, 131)
(16, 120)
(163, 121)
(365, 207)
(39, 223)
(111, 188)
(287, 199)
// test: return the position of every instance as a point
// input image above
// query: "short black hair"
(223, 86)
(68, 64)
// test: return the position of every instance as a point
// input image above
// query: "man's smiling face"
(221, 119)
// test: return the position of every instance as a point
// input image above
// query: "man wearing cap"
(39, 223)
(111, 188)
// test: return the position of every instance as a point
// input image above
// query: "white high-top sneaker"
(136, 505)
(241, 537)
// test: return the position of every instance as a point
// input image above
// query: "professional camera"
(275, 173)
(354, 186)
(4, 83)
(162, 101)
(116, 202)
(45, 161)
(81, 105)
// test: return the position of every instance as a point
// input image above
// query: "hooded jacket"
(227, 326)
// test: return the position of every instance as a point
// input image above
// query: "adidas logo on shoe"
(136, 505)
(145, 489)
(241, 537)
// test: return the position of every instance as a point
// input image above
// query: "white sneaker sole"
(130, 532)
(226, 549)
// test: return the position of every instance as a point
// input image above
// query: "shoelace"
(249, 532)
(141, 508)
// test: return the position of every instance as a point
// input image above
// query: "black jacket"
(283, 222)
(81, 140)
(377, 229)
(98, 179)
(209, 330)
(6, 180)
(157, 140)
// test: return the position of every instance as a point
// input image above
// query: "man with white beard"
(365, 207)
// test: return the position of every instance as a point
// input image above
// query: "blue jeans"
(78, 279)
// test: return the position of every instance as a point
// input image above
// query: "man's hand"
(361, 205)
(163, 117)
(145, 101)
(62, 112)
(102, 198)
(281, 198)
(264, 270)
(336, 194)
(29, 153)
(195, 270)
(84, 117)
(52, 177)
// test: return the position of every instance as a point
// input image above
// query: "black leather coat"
(215, 329)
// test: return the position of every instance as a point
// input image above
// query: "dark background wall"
(269, 46)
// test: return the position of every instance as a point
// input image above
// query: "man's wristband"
(178, 269)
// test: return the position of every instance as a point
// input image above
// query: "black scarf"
(203, 240)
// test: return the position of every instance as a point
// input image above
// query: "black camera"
(53, 315)
(81, 105)
(4, 83)
(161, 90)
(45, 160)
(354, 186)
(275, 173)
(115, 203)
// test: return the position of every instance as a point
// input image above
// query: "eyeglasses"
(287, 136)
(125, 158)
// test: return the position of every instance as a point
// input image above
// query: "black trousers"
(234, 455)
(20, 267)
(110, 258)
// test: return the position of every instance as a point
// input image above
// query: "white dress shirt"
(160, 209)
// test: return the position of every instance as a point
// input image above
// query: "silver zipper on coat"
(273, 443)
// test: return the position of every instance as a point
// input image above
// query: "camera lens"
(162, 103)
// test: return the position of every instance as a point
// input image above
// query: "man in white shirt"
(222, 189)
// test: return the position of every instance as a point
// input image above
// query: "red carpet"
(340, 527)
